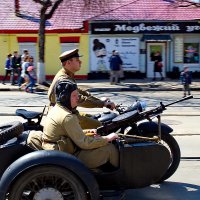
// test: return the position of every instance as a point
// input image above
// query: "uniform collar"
(66, 109)
(69, 73)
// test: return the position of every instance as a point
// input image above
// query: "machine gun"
(129, 118)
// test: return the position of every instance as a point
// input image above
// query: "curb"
(137, 89)
(113, 89)
(104, 88)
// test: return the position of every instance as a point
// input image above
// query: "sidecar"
(26, 173)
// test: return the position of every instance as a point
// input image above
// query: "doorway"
(151, 49)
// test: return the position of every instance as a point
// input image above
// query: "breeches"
(94, 158)
(86, 122)
(35, 140)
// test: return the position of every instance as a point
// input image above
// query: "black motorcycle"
(27, 173)
(126, 125)
(130, 122)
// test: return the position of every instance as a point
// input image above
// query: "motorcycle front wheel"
(171, 144)
(168, 141)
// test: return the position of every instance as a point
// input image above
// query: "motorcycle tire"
(168, 140)
(171, 144)
(10, 130)
(48, 182)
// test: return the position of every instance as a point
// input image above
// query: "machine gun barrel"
(183, 99)
(159, 109)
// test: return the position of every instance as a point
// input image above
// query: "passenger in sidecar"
(63, 132)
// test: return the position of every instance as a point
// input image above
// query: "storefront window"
(191, 52)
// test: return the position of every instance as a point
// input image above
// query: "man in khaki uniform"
(62, 131)
(71, 64)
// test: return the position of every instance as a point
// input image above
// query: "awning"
(156, 38)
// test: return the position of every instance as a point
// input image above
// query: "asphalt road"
(183, 117)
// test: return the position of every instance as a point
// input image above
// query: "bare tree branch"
(187, 3)
(53, 9)
(44, 2)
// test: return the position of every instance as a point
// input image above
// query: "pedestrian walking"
(158, 65)
(16, 67)
(24, 73)
(186, 80)
(115, 67)
(25, 54)
(121, 75)
(28, 61)
(7, 67)
(32, 79)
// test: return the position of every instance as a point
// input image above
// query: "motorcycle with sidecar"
(27, 173)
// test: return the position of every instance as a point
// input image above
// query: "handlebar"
(133, 117)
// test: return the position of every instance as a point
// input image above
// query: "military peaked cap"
(69, 54)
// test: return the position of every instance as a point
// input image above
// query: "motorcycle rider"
(71, 64)
(62, 130)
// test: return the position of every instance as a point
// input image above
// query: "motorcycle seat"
(28, 114)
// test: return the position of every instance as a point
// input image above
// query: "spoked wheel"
(48, 182)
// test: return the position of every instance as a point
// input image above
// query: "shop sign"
(101, 50)
(144, 27)
(178, 49)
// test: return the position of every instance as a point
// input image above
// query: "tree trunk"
(40, 65)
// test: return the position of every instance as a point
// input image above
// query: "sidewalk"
(126, 85)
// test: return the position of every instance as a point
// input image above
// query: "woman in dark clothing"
(158, 65)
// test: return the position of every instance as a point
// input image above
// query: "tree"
(46, 12)
(48, 7)
(187, 3)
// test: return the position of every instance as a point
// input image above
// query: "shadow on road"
(166, 191)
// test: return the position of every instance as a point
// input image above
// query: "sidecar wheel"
(175, 153)
(10, 130)
(48, 182)
(171, 144)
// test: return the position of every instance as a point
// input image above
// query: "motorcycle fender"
(46, 157)
(151, 128)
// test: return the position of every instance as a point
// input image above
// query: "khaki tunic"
(63, 132)
(85, 100)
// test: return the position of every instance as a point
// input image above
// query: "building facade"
(136, 29)
(137, 41)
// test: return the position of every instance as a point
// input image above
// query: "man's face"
(73, 64)
(74, 98)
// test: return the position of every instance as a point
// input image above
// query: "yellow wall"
(8, 44)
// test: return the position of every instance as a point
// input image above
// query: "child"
(32, 79)
(186, 80)
(7, 67)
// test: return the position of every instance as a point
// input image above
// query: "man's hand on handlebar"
(108, 104)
